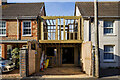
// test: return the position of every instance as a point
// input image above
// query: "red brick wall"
(4, 51)
(11, 31)
(33, 31)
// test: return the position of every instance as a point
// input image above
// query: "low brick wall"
(24, 62)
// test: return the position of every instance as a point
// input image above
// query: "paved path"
(110, 74)
(65, 78)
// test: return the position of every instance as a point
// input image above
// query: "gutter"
(35, 17)
(20, 17)
(13, 41)
(102, 16)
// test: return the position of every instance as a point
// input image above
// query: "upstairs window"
(108, 52)
(2, 28)
(108, 27)
(27, 28)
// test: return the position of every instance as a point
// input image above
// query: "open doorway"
(68, 55)
(50, 51)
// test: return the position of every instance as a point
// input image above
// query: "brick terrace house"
(22, 22)
(19, 24)
(63, 34)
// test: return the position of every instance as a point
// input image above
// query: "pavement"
(11, 74)
(109, 74)
(64, 77)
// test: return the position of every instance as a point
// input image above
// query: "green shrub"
(15, 56)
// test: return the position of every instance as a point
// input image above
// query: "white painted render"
(77, 11)
(86, 30)
(113, 39)
(108, 40)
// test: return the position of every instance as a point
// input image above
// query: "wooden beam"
(50, 29)
(74, 31)
(60, 29)
(60, 25)
(78, 35)
(82, 26)
(42, 34)
(56, 33)
(64, 29)
(64, 17)
(68, 45)
(60, 41)
(69, 35)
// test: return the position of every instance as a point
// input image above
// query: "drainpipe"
(17, 28)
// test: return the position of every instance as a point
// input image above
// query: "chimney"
(3, 2)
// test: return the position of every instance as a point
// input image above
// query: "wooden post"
(64, 27)
(74, 31)
(96, 39)
(56, 34)
(82, 27)
(78, 35)
(60, 28)
(42, 34)
(58, 56)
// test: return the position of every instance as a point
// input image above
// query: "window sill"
(26, 35)
(109, 61)
(110, 35)
(2, 35)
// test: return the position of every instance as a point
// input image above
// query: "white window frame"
(3, 28)
(109, 60)
(109, 27)
(1, 50)
(23, 29)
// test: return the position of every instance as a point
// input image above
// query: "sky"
(57, 7)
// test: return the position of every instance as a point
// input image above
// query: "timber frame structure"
(61, 32)
(61, 29)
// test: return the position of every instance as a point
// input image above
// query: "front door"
(68, 55)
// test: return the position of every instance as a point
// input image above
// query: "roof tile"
(104, 8)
